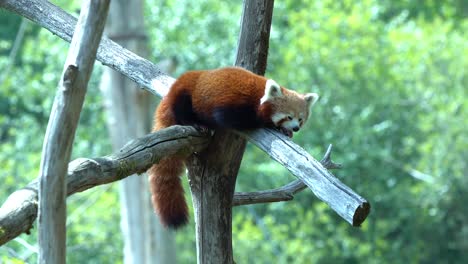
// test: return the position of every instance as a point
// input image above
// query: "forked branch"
(283, 193)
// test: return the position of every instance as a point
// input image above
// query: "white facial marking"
(272, 89)
(291, 124)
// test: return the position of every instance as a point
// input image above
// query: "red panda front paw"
(201, 128)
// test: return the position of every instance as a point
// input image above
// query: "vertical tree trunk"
(60, 134)
(213, 173)
(129, 116)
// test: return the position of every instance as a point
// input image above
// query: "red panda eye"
(290, 118)
(300, 119)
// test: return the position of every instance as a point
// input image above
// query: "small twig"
(283, 193)
(327, 162)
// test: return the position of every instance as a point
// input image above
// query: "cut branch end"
(361, 214)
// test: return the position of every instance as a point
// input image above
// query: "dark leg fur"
(183, 110)
(236, 117)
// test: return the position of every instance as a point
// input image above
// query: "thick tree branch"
(19, 211)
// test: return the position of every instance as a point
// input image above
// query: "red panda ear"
(272, 90)
(311, 98)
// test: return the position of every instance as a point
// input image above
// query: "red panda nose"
(296, 129)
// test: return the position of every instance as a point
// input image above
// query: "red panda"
(231, 98)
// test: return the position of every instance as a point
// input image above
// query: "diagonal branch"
(343, 200)
(111, 54)
(19, 211)
(283, 193)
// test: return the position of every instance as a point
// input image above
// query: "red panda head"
(289, 109)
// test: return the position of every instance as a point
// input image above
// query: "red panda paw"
(201, 128)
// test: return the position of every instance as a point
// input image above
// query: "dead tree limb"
(60, 133)
(283, 193)
(111, 54)
(19, 211)
(342, 199)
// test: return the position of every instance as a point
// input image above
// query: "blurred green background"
(392, 75)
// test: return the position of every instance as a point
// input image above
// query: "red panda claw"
(201, 128)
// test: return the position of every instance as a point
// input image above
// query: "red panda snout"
(287, 124)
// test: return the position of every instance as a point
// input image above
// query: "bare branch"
(60, 134)
(342, 199)
(283, 193)
(109, 53)
(213, 174)
(19, 211)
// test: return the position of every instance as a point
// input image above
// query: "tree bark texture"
(111, 54)
(343, 200)
(61, 129)
(19, 211)
(213, 173)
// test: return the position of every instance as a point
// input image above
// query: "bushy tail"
(167, 193)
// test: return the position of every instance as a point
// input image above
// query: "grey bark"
(343, 200)
(283, 193)
(111, 54)
(213, 173)
(61, 129)
(129, 115)
(19, 211)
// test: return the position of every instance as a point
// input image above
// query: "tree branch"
(342, 199)
(60, 134)
(19, 211)
(283, 193)
(111, 54)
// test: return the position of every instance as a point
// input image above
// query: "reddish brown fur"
(206, 91)
(241, 87)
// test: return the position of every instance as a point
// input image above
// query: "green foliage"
(392, 79)
(193, 27)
